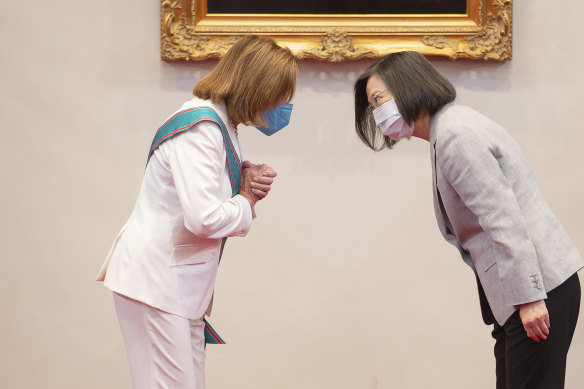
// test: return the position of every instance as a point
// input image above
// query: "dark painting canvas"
(337, 6)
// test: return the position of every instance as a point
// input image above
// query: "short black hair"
(417, 86)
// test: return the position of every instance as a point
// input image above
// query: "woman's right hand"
(535, 319)
(256, 181)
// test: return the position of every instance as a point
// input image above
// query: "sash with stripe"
(181, 122)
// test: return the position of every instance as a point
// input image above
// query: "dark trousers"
(522, 363)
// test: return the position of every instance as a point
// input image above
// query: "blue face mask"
(276, 118)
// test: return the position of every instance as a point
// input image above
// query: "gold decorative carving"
(179, 41)
(484, 32)
(337, 46)
(492, 41)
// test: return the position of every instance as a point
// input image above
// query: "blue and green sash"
(181, 122)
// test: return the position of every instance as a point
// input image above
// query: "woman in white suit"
(489, 206)
(196, 192)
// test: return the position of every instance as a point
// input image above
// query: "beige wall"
(344, 281)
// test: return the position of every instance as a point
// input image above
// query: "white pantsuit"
(164, 261)
(164, 350)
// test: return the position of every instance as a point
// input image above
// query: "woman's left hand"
(535, 319)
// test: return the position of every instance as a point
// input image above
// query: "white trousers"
(165, 351)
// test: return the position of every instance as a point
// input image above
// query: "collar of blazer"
(433, 123)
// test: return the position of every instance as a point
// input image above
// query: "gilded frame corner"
(484, 32)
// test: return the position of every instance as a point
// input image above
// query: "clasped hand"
(256, 181)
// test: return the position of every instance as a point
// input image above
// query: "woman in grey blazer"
(489, 206)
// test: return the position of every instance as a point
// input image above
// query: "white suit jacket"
(167, 253)
(488, 204)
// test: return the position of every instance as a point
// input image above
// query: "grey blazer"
(489, 206)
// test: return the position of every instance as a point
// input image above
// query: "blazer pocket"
(486, 259)
(193, 254)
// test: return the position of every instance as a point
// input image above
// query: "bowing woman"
(195, 193)
(489, 206)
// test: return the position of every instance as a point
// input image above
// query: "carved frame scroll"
(484, 32)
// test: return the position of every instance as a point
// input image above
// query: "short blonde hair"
(254, 75)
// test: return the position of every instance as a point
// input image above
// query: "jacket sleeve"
(469, 164)
(197, 161)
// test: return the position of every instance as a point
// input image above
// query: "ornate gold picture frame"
(188, 32)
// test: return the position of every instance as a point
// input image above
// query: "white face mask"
(390, 122)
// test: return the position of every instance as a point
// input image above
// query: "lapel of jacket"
(437, 207)
(439, 210)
